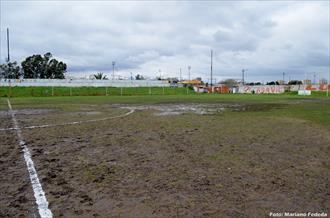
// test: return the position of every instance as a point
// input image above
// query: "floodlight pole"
(180, 74)
(8, 57)
(211, 67)
(189, 67)
(243, 70)
(243, 76)
(113, 70)
(328, 83)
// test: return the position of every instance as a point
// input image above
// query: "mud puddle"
(80, 113)
(28, 112)
(201, 109)
(178, 109)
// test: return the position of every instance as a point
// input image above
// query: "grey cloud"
(235, 42)
(147, 36)
(246, 36)
(314, 58)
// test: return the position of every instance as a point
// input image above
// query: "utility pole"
(189, 67)
(314, 76)
(180, 74)
(211, 68)
(243, 71)
(283, 78)
(328, 83)
(8, 58)
(113, 69)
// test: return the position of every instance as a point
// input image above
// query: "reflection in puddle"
(178, 109)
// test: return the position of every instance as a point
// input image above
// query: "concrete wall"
(261, 89)
(281, 88)
(84, 82)
(310, 87)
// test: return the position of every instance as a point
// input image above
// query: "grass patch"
(90, 91)
(310, 108)
(314, 93)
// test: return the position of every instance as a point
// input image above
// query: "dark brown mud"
(16, 195)
(190, 165)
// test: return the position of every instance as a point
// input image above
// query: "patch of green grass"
(40, 91)
(154, 99)
(315, 112)
(90, 91)
(318, 113)
(310, 108)
(3, 104)
(314, 93)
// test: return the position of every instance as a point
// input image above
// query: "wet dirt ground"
(16, 195)
(170, 160)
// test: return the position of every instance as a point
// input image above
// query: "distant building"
(323, 81)
(173, 81)
(307, 82)
(191, 82)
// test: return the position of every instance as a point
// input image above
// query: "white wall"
(281, 88)
(83, 82)
(261, 89)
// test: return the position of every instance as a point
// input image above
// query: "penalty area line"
(39, 194)
(69, 123)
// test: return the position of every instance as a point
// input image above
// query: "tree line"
(34, 67)
(101, 76)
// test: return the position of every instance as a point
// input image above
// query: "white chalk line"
(69, 123)
(39, 194)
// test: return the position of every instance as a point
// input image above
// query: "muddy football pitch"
(198, 156)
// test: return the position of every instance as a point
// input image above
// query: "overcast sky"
(152, 38)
